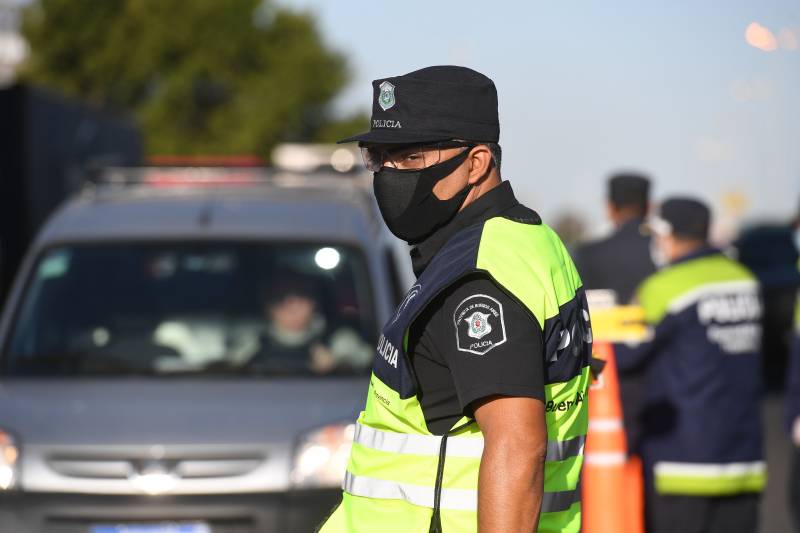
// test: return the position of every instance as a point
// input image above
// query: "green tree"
(201, 76)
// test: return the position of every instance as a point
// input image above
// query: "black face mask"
(406, 200)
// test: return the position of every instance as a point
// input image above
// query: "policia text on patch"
(497, 317)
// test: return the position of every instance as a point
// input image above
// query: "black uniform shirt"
(619, 262)
(450, 375)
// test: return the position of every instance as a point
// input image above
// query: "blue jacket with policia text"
(701, 416)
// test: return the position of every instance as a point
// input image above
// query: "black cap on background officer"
(628, 196)
(683, 218)
(681, 227)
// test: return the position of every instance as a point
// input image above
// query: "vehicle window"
(195, 309)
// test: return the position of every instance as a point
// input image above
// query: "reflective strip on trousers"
(704, 479)
(708, 470)
(454, 499)
(412, 444)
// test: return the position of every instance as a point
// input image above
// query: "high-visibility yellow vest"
(400, 477)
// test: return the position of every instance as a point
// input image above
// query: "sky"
(587, 88)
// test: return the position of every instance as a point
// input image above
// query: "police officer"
(701, 441)
(476, 413)
(619, 263)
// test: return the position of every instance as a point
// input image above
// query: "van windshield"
(194, 309)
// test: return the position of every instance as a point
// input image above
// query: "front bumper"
(290, 512)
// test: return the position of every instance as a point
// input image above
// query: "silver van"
(185, 350)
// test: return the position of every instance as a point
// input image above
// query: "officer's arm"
(633, 356)
(511, 477)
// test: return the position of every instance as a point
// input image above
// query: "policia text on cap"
(476, 414)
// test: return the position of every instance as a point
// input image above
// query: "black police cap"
(628, 189)
(689, 218)
(433, 104)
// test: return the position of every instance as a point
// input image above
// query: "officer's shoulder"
(480, 290)
(592, 248)
(660, 288)
(517, 232)
(660, 281)
(728, 267)
(717, 266)
(508, 247)
(655, 292)
(674, 279)
(523, 215)
(620, 238)
(517, 221)
(474, 283)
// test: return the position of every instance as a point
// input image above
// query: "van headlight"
(321, 455)
(9, 456)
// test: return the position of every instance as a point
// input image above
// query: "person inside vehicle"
(297, 336)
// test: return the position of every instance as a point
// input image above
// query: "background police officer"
(480, 377)
(701, 442)
(622, 260)
(619, 263)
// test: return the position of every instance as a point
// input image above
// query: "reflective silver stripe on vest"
(404, 443)
(723, 288)
(555, 502)
(368, 487)
(707, 470)
(558, 450)
(455, 499)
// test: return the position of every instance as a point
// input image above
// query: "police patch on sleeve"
(479, 324)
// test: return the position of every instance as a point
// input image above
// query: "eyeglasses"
(407, 157)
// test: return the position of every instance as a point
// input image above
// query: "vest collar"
(491, 204)
(705, 251)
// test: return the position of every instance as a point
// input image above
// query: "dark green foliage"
(202, 76)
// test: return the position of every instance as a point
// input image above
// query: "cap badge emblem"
(386, 96)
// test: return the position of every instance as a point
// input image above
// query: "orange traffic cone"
(612, 485)
(605, 453)
(634, 493)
